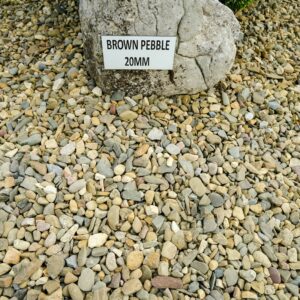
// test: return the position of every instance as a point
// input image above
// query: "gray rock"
(32, 140)
(77, 186)
(132, 195)
(155, 134)
(104, 167)
(86, 280)
(209, 224)
(201, 59)
(55, 265)
(231, 276)
(216, 199)
(200, 266)
(29, 183)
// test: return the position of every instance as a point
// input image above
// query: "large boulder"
(206, 32)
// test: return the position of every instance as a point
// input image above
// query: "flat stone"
(75, 292)
(12, 256)
(97, 240)
(113, 217)
(166, 282)
(231, 276)
(77, 186)
(262, 258)
(275, 275)
(128, 115)
(169, 250)
(29, 183)
(55, 265)
(68, 149)
(131, 286)
(155, 134)
(216, 199)
(197, 186)
(104, 167)
(200, 266)
(86, 280)
(58, 84)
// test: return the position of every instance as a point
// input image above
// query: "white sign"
(138, 52)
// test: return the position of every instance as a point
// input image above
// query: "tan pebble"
(152, 260)
(213, 264)
(70, 278)
(134, 260)
(142, 150)
(9, 182)
(12, 256)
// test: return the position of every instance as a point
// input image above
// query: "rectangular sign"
(138, 52)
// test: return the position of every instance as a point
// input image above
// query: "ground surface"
(101, 195)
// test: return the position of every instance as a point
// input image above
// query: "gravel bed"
(116, 197)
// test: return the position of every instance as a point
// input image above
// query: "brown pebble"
(164, 282)
(112, 109)
(274, 274)
(2, 132)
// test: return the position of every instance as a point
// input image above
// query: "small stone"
(155, 134)
(128, 115)
(12, 256)
(55, 265)
(209, 224)
(231, 276)
(29, 183)
(134, 260)
(169, 250)
(173, 149)
(21, 245)
(262, 258)
(152, 260)
(166, 282)
(131, 286)
(58, 84)
(5, 281)
(4, 268)
(75, 292)
(248, 275)
(113, 217)
(86, 280)
(68, 149)
(110, 262)
(275, 275)
(119, 169)
(249, 116)
(97, 240)
(197, 186)
(77, 186)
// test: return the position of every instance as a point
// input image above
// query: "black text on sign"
(138, 53)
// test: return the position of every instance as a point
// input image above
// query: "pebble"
(155, 134)
(131, 286)
(74, 292)
(86, 280)
(166, 282)
(97, 240)
(197, 186)
(231, 276)
(169, 250)
(134, 260)
(55, 265)
(58, 84)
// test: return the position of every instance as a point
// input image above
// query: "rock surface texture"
(206, 33)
